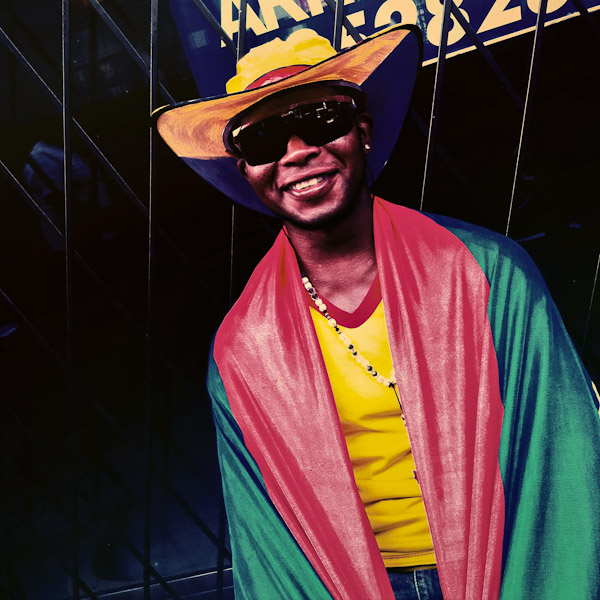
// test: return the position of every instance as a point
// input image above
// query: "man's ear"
(364, 123)
(241, 166)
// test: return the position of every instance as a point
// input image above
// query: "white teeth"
(301, 185)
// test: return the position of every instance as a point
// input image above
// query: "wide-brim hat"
(384, 66)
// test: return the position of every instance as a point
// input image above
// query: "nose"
(298, 151)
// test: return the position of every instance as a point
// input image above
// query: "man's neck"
(340, 259)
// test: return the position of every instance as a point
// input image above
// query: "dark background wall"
(108, 478)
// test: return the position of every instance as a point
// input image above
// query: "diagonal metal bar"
(32, 327)
(105, 162)
(37, 46)
(435, 106)
(209, 291)
(197, 580)
(131, 49)
(185, 459)
(31, 38)
(72, 572)
(487, 55)
(337, 25)
(94, 148)
(56, 101)
(587, 17)
(50, 456)
(7, 579)
(64, 565)
(535, 61)
(114, 300)
(416, 118)
(29, 198)
(589, 311)
(215, 25)
(162, 477)
(352, 32)
(32, 161)
(183, 503)
(111, 25)
(200, 581)
(51, 499)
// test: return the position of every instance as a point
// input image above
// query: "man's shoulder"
(250, 319)
(496, 253)
(486, 245)
(476, 236)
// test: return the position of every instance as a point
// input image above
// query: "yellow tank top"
(375, 434)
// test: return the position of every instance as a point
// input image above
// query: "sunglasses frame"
(293, 115)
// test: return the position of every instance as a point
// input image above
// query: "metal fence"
(118, 264)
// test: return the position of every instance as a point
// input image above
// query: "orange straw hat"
(383, 66)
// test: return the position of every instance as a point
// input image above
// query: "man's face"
(310, 186)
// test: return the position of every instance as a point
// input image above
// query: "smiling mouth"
(306, 183)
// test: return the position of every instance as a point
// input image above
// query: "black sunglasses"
(317, 124)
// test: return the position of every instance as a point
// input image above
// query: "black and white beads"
(388, 382)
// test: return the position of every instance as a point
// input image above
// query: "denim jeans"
(422, 584)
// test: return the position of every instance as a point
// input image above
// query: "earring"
(367, 147)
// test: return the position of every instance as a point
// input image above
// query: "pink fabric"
(435, 301)
(360, 315)
(435, 297)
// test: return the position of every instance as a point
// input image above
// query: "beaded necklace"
(389, 382)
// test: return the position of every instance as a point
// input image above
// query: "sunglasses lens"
(323, 126)
(262, 142)
(317, 124)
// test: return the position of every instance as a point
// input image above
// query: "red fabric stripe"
(435, 298)
(269, 358)
(276, 75)
(361, 314)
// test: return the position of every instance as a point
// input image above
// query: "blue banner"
(213, 63)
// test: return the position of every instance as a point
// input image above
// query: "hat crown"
(268, 62)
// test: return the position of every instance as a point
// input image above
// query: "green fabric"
(268, 564)
(549, 453)
(550, 444)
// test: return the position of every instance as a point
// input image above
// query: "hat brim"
(384, 66)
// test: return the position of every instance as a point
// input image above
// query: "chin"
(318, 218)
(323, 221)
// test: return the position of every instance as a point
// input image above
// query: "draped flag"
(501, 415)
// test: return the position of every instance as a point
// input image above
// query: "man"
(367, 323)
